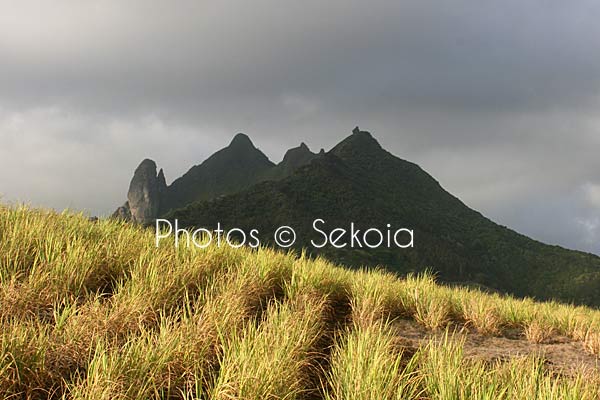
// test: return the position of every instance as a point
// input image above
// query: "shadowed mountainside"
(229, 170)
(358, 181)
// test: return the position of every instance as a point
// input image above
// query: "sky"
(497, 100)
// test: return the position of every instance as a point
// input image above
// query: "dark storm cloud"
(497, 100)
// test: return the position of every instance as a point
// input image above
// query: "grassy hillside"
(95, 311)
(358, 181)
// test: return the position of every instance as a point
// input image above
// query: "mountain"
(358, 181)
(229, 170)
(145, 194)
(293, 159)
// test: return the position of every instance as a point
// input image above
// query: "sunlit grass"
(93, 310)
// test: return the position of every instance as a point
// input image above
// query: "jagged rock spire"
(144, 196)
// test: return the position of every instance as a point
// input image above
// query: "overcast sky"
(497, 100)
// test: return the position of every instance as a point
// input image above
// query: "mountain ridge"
(230, 169)
(358, 181)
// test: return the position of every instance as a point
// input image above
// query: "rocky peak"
(241, 141)
(362, 135)
(296, 157)
(144, 196)
(162, 182)
(296, 153)
(359, 144)
(123, 212)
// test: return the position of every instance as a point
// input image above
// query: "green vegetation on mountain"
(292, 160)
(357, 181)
(229, 170)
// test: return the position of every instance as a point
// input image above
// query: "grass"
(368, 364)
(93, 310)
(449, 375)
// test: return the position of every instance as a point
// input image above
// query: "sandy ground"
(561, 354)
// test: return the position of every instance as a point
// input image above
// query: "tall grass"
(448, 375)
(368, 364)
(260, 362)
(93, 310)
